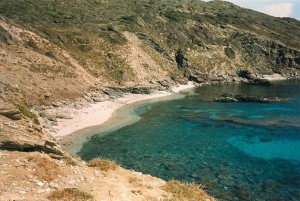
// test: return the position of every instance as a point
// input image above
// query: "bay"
(235, 151)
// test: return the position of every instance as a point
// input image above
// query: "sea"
(234, 151)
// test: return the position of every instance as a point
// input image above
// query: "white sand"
(99, 113)
(273, 77)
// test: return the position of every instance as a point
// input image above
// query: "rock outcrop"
(253, 99)
(10, 111)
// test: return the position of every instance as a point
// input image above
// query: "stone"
(259, 99)
(10, 111)
(246, 98)
(78, 106)
(51, 118)
(47, 126)
(196, 79)
(6, 37)
(56, 104)
(54, 123)
(140, 90)
(164, 83)
(63, 116)
(48, 116)
(40, 183)
(226, 99)
(97, 99)
(113, 93)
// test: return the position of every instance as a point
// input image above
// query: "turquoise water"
(237, 151)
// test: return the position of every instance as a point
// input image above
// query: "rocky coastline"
(57, 111)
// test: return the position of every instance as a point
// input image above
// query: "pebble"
(40, 183)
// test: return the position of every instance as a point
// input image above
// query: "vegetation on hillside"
(92, 30)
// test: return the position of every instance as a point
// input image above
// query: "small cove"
(188, 139)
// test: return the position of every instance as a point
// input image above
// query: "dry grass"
(103, 164)
(44, 168)
(70, 194)
(185, 192)
(135, 181)
(137, 192)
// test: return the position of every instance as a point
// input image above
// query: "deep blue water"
(237, 151)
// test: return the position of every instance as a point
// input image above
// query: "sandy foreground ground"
(100, 112)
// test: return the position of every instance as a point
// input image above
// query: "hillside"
(56, 52)
(135, 42)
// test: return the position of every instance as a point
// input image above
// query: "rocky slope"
(35, 167)
(82, 43)
(59, 51)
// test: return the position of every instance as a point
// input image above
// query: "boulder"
(10, 111)
(28, 146)
(250, 78)
(48, 116)
(164, 83)
(63, 116)
(113, 93)
(97, 99)
(6, 37)
(57, 104)
(258, 99)
(197, 76)
(196, 79)
(226, 99)
(79, 106)
(140, 90)
(245, 74)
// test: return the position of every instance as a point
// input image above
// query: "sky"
(277, 8)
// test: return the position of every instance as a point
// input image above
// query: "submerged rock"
(254, 99)
(226, 99)
(259, 99)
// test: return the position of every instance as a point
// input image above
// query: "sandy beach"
(273, 77)
(95, 114)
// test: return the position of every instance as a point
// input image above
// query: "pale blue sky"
(278, 8)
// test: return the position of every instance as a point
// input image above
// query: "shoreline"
(79, 124)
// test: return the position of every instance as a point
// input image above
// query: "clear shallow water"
(254, 157)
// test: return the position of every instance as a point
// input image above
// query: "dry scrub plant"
(103, 164)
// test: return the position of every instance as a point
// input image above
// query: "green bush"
(70, 194)
(26, 112)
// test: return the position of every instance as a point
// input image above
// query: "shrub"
(32, 45)
(103, 164)
(182, 192)
(45, 169)
(50, 54)
(229, 53)
(70, 194)
(26, 112)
